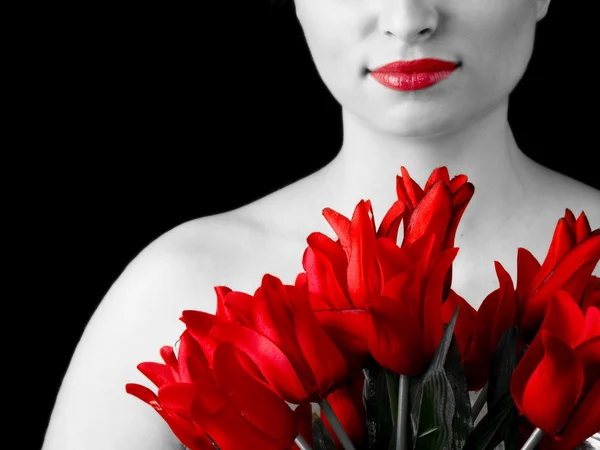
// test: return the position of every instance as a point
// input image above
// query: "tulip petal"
(191, 435)
(157, 373)
(506, 314)
(465, 322)
(238, 307)
(272, 316)
(432, 215)
(586, 253)
(199, 324)
(341, 227)
(588, 353)
(395, 336)
(554, 387)
(591, 327)
(348, 407)
(460, 200)
(188, 347)
(438, 174)
(228, 429)
(525, 368)
(591, 294)
(334, 253)
(585, 420)
(323, 357)
(391, 221)
(433, 326)
(562, 242)
(177, 398)
(457, 182)
(167, 353)
(391, 258)
(363, 273)
(323, 281)
(303, 413)
(221, 292)
(408, 190)
(563, 318)
(272, 362)
(255, 400)
(527, 267)
(582, 229)
(348, 330)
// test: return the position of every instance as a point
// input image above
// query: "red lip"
(413, 75)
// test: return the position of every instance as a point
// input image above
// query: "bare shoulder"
(140, 314)
(563, 192)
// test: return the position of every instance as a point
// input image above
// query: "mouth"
(413, 75)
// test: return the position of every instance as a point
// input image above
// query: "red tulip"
(496, 314)
(201, 403)
(347, 404)
(286, 342)
(556, 384)
(571, 258)
(344, 274)
(407, 323)
(437, 208)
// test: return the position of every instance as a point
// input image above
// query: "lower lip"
(411, 81)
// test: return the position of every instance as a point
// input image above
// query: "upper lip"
(416, 66)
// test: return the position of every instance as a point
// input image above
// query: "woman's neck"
(485, 151)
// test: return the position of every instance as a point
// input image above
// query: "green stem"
(301, 443)
(479, 402)
(403, 413)
(533, 440)
(336, 426)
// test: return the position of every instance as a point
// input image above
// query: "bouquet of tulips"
(371, 348)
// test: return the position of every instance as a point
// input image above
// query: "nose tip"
(409, 20)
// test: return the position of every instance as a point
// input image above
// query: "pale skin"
(460, 123)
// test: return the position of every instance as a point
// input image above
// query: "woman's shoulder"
(562, 192)
(140, 314)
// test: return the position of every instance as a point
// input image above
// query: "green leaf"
(322, 440)
(502, 366)
(462, 422)
(391, 379)
(508, 432)
(486, 429)
(439, 358)
(437, 412)
(433, 406)
(377, 407)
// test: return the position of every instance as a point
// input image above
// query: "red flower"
(437, 208)
(347, 404)
(556, 384)
(342, 276)
(201, 403)
(282, 336)
(496, 314)
(571, 258)
(407, 322)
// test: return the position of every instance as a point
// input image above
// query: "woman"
(455, 118)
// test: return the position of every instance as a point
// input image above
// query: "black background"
(146, 117)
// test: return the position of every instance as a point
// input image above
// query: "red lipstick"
(413, 75)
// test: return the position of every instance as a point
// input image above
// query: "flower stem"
(479, 402)
(533, 440)
(301, 443)
(402, 422)
(336, 425)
